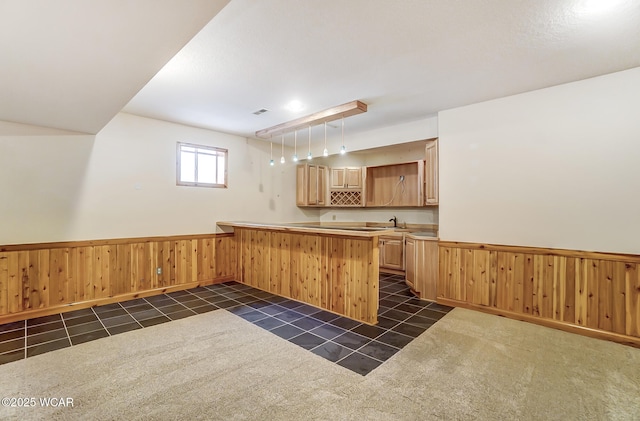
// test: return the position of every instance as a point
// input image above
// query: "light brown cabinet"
(431, 173)
(421, 271)
(391, 251)
(346, 178)
(311, 185)
(345, 187)
(395, 185)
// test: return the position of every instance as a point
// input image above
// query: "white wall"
(121, 183)
(558, 167)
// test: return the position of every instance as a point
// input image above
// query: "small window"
(202, 166)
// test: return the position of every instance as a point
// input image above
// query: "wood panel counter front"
(335, 269)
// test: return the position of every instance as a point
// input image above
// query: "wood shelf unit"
(395, 185)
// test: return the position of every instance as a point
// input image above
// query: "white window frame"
(205, 149)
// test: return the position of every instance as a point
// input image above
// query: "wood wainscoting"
(332, 272)
(42, 279)
(594, 294)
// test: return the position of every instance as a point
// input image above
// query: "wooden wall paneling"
(4, 283)
(297, 266)
(254, 259)
(58, 276)
(632, 299)
(206, 259)
(227, 256)
(354, 283)
(569, 304)
(164, 263)
(596, 291)
(506, 288)
(23, 278)
(618, 291)
(310, 276)
(279, 263)
(581, 291)
(260, 259)
(107, 261)
(183, 261)
(324, 286)
(492, 279)
(14, 290)
(193, 260)
(528, 285)
(42, 279)
(151, 259)
(42, 293)
(605, 295)
(123, 282)
(243, 237)
(337, 290)
(593, 296)
(509, 279)
(83, 272)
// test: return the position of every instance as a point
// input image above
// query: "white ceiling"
(407, 59)
(73, 64)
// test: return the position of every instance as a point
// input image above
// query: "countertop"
(351, 231)
(355, 229)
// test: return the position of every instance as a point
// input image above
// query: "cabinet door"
(301, 185)
(337, 178)
(322, 185)
(312, 185)
(431, 173)
(410, 263)
(353, 178)
(393, 254)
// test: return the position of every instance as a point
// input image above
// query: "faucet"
(395, 221)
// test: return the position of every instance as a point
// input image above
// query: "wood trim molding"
(631, 258)
(109, 242)
(567, 327)
(345, 110)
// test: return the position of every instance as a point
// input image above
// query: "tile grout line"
(66, 330)
(136, 320)
(100, 320)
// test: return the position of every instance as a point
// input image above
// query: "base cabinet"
(421, 271)
(391, 254)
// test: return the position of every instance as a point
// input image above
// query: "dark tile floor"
(351, 344)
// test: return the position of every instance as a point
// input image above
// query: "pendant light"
(282, 161)
(295, 146)
(326, 151)
(343, 150)
(309, 156)
(271, 161)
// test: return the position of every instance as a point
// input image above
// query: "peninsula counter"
(335, 269)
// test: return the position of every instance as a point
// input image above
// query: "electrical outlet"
(402, 178)
(159, 271)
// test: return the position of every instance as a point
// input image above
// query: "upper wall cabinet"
(396, 185)
(346, 178)
(346, 187)
(431, 173)
(311, 185)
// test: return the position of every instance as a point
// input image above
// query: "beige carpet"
(216, 366)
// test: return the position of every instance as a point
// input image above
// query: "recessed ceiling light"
(294, 106)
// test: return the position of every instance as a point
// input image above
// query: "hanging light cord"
(395, 191)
